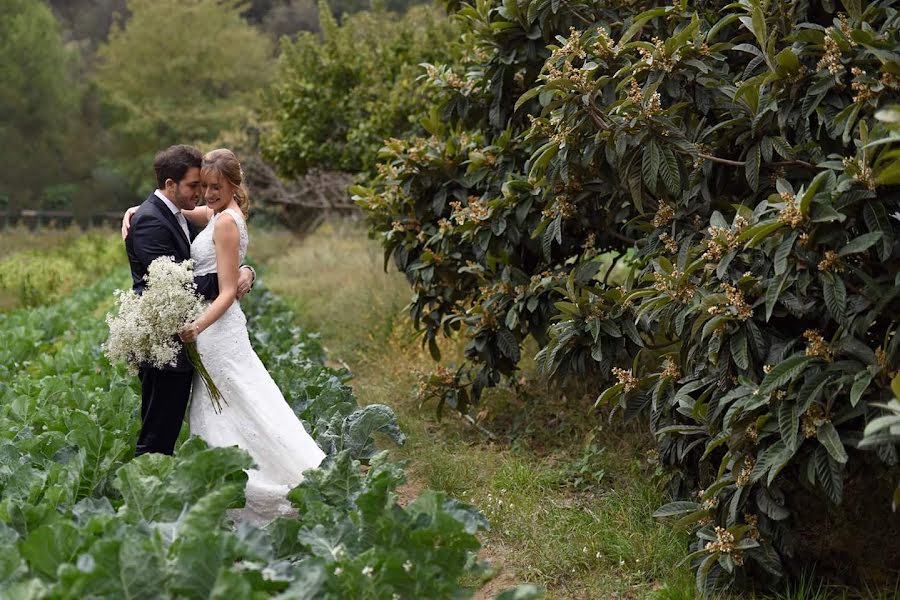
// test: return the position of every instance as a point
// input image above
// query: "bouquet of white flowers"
(144, 328)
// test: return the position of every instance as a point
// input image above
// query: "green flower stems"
(214, 393)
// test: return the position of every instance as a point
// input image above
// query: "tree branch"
(611, 267)
(716, 159)
(619, 236)
(741, 163)
(576, 13)
(599, 120)
(472, 422)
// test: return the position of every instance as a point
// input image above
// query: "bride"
(254, 416)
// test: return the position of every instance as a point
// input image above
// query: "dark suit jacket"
(155, 232)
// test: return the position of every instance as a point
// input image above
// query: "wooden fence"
(40, 219)
(302, 203)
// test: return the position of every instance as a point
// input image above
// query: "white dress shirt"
(175, 211)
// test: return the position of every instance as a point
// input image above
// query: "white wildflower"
(338, 571)
(144, 329)
(407, 566)
(367, 571)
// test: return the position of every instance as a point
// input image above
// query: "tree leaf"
(772, 509)
(670, 173)
(829, 437)
(784, 250)
(860, 244)
(783, 373)
(650, 165)
(828, 474)
(807, 196)
(859, 387)
(508, 344)
(676, 508)
(835, 296)
(772, 294)
(751, 167)
(739, 351)
(877, 220)
(788, 423)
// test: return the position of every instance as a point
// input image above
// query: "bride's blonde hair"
(224, 162)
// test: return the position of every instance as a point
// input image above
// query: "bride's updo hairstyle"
(224, 162)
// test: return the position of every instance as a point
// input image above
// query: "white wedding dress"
(256, 416)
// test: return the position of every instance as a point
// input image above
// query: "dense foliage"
(35, 99)
(728, 155)
(340, 93)
(80, 518)
(33, 278)
(179, 72)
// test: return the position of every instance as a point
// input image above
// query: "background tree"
(36, 100)
(290, 17)
(87, 21)
(179, 71)
(723, 152)
(340, 93)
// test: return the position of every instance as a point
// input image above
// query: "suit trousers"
(164, 399)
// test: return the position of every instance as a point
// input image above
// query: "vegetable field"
(79, 517)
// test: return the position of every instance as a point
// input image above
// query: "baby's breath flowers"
(143, 328)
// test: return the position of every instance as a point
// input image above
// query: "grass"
(21, 238)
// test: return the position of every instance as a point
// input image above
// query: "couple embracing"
(256, 416)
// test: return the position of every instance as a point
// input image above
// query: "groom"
(157, 229)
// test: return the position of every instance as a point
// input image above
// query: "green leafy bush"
(341, 92)
(728, 156)
(34, 277)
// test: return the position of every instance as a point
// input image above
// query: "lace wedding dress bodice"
(203, 250)
(254, 414)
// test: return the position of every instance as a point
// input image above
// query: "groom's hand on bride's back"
(246, 277)
(126, 220)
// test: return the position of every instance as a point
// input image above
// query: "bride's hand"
(189, 333)
(126, 220)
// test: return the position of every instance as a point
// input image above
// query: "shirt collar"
(175, 210)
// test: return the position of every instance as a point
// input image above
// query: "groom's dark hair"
(173, 162)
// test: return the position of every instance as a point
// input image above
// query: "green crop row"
(34, 278)
(79, 517)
